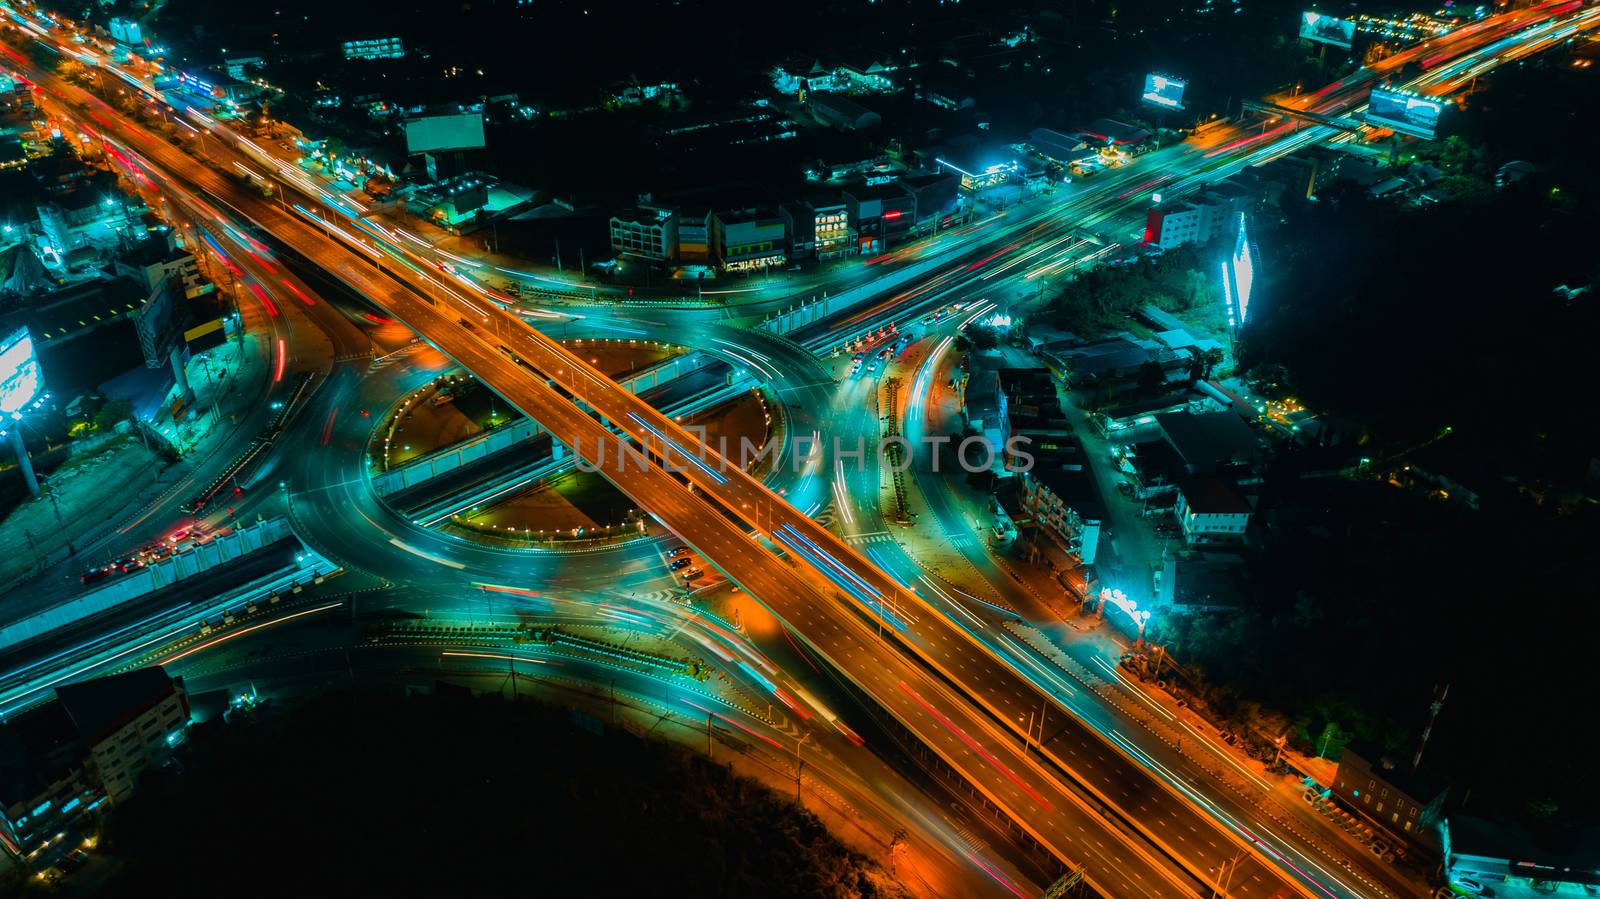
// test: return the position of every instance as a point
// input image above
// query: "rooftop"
(100, 706)
(1211, 496)
(1207, 439)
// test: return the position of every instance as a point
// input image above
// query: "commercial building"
(1210, 511)
(1197, 219)
(750, 239)
(936, 199)
(819, 227)
(1208, 442)
(1391, 795)
(881, 214)
(375, 48)
(1112, 134)
(694, 233)
(158, 258)
(126, 31)
(842, 112)
(648, 232)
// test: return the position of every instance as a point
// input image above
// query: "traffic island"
(580, 508)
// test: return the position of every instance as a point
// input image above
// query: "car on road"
(680, 564)
(692, 573)
(129, 563)
(681, 551)
(96, 575)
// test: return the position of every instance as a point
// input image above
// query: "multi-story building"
(375, 48)
(1400, 800)
(84, 748)
(648, 232)
(1209, 511)
(831, 229)
(818, 227)
(694, 233)
(44, 782)
(750, 239)
(158, 258)
(128, 723)
(1196, 219)
(881, 214)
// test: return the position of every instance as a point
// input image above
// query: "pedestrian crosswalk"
(960, 541)
(973, 842)
(864, 539)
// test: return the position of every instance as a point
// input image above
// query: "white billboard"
(1404, 112)
(1161, 90)
(437, 133)
(20, 377)
(1327, 29)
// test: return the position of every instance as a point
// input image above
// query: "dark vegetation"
(1457, 338)
(1179, 281)
(350, 794)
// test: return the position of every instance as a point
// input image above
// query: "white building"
(1209, 511)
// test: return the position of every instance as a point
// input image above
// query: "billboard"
(437, 133)
(1239, 278)
(1404, 112)
(1315, 26)
(20, 377)
(1160, 90)
(159, 325)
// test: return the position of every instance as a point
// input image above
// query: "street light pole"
(56, 505)
(799, 763)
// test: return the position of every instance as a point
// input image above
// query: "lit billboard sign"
(20, 377)
(1159, 90)
(1315, 26)
(437, 133)
(1239, 278)
(1403, 112)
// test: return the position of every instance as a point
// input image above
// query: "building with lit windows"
(648, 232)
(1404, 803)
(375, 48)
(86, 747)
(881, 214)
(694, 233)
(1209, 511)
(750, 239)
(44, 781)
(1197, 220)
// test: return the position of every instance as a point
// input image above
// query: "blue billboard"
(1161, 90)
(20, 377)
(1404, 112)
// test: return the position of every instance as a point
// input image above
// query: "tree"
(111, 413)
